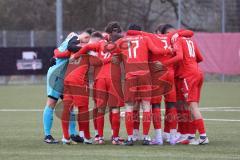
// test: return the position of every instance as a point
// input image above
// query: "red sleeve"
(134, 32)
(85, 49)
(177, 46)
(185, 33)
(58, 54)
(154, 49)
(199, 56)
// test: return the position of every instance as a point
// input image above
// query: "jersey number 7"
(132, 52)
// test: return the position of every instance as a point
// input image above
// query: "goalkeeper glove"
(73, 45)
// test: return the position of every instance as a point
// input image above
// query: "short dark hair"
(162, 28)
(113, 26)
(90, 30)
(97, 34)
(133, 26)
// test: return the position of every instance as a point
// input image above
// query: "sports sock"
(100, 123)
(166, 121)
(199, 124)
(47, 120)
(156, 116)
(72, 124)
(65, 122)
(136, 119)
(83, 121)
(171, 119)
(115, 124)
(146, 121)
(95, 120)
(129, 123)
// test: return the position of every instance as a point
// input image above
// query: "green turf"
(21, 132)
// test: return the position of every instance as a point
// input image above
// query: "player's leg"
(95, 123)
(115, 101)
(156, 117)
(48, 120)
(146, 121)
(101, 97)
(129, 123)
(198, 122)
(67, 107)
(115, 125)
(136, 121)
(130, 100)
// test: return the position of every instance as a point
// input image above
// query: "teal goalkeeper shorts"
(55, 78)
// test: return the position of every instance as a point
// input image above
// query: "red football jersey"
(190, 54)
(106, 69)
(77, 71)
(135, 53)
(163, 41)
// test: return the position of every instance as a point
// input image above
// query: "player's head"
(90, 31)
(84, 37)
(133, 26)
(114, 30)
(164, 28)
(112, 27)
(95, 37)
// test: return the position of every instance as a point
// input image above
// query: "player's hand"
(115, 59)
(71, 59)
(92, 53)
(52, 61)
(174, 38)
(73, 44)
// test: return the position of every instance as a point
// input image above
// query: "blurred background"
(31, 29)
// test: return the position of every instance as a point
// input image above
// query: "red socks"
(136, 119)
(115, 124)
(199, 124)
(83, 121)
(100, 123)
(146, 122)
(156, 113)
(171, 119)
(129, 122)
(95, 118)
(66, 118)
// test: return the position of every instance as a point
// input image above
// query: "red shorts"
(190, 87)
(78, 93)
(165, 86)
(138, 88)
(108, 92)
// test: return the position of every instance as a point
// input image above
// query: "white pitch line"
(21, 110)
(223, 120)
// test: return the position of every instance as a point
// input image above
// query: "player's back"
(191, 57)
(134, 52)
(108, 69)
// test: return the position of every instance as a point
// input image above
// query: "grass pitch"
(22, 134)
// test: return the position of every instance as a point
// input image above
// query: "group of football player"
(132, 70)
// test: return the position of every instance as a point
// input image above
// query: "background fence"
(48, 22)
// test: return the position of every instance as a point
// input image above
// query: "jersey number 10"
(191, 48)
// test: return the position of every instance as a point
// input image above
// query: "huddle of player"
(154, 65)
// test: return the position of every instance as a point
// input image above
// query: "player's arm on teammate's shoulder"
(135, 32)
(117, 52)
(155, 49)
(178, 49)
(199, 56)
(86, 49)
(58, 54)
(180, 33)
